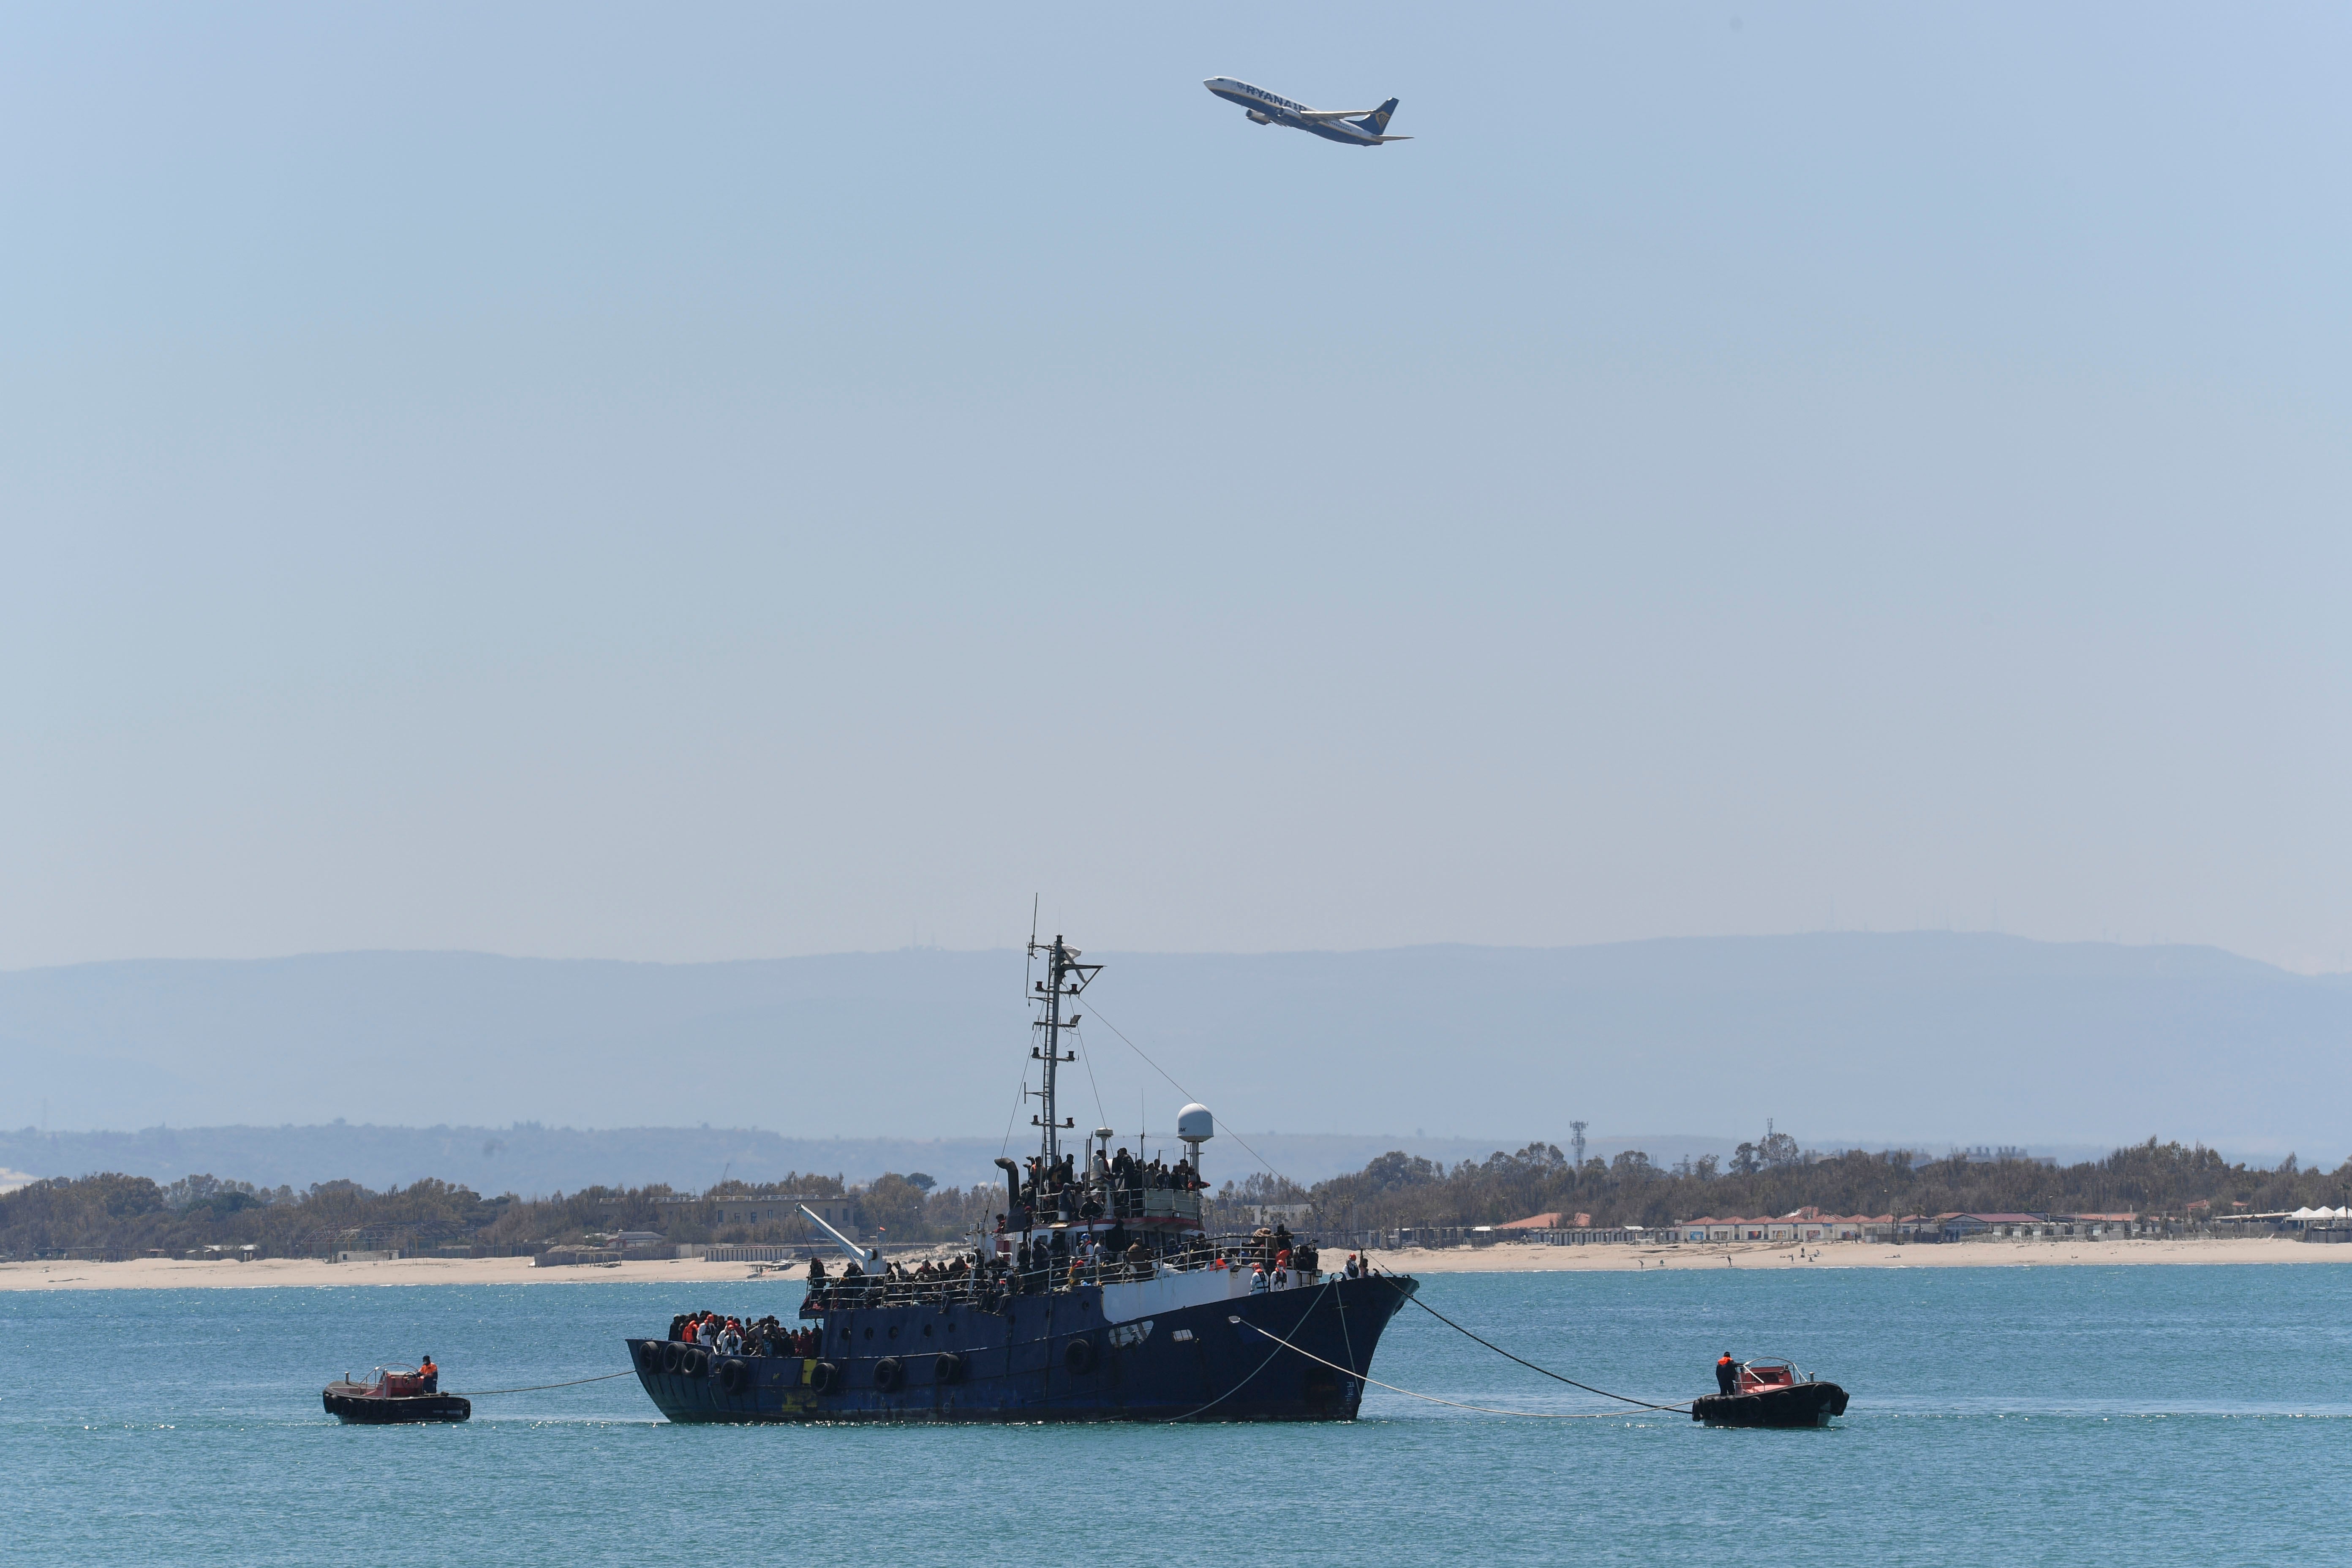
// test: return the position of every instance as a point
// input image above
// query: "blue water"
(2059, 1416)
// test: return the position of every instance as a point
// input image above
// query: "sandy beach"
(162, 1274)
(1527, 1259)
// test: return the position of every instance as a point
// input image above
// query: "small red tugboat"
(1772, 1394)
(400, 1396)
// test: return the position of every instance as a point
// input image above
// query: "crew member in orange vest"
(1726, 1375)
(428, 1375)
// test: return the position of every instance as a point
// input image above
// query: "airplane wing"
(1329, 113)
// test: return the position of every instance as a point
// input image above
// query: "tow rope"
(1454, 1404)
(537, 1387)
(1622, 1398)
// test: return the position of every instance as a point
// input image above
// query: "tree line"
(1776, 1177)
(126, 1217)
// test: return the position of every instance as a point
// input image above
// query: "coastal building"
(770, 1206)
(1958, 1227)
(1805, 1225)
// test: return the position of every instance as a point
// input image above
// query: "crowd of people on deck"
(1056, 1260)
(1111, 1189)
(735, 1336)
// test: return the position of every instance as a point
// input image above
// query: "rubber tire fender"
(947, 1367)
(1079, 1356)
(693, 1361)
(733, 1375)
(888, 1373)
(824, 1377)
(649, 1356)
(673, 1356)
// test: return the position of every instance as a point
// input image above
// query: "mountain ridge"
(1929, 1038)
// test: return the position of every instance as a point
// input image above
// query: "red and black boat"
(1772, 1394)
(400, 1396)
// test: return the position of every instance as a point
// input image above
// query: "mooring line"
(1432, 1398)
(537, 1387)
(1622, 1398)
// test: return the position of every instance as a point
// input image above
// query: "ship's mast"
(1064, 976)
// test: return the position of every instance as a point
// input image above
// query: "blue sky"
(580, 482)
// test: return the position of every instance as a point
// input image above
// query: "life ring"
(824, 1377)
(1078, 1355)
(649, 1356)
(948, 1367)
(673, 1356)
(733, 1375)
(888, 1373)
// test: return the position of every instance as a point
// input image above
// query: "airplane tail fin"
(1377, 121)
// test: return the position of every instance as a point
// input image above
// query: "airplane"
(1356, 127)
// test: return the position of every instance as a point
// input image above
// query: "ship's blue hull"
(1050, 1358)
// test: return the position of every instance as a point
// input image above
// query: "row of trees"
(130, 1215)
(126, 1216)
(1776, 1177)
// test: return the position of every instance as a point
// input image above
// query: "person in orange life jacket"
(1257, 1278)
(1726, 1375)
(429, 1375)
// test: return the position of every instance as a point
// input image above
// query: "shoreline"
(1788, 1255)
(177, 1274)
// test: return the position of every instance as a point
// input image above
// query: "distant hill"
(1930, 1038)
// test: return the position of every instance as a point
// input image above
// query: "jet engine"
(1259, 119)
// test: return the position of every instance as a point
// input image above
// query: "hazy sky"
(690, 484)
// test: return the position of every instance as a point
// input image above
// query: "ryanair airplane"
(1356, 127)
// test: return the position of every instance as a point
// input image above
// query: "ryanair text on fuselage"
(1356, 127)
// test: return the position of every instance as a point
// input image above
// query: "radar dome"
(1193, 1124)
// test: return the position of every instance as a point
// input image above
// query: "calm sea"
(2059, 1416)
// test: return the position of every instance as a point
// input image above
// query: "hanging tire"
(649, 1356)
(824, 1377)
(673, 1356)
(693, 1362)
(1078, 1355)
(734, 1376)
(887, 1373)
(947, 1368)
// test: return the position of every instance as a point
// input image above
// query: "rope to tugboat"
(1454, 1404)
(537, 1387)
(1507, 1355)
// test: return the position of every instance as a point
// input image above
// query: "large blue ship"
(1100, 1297)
